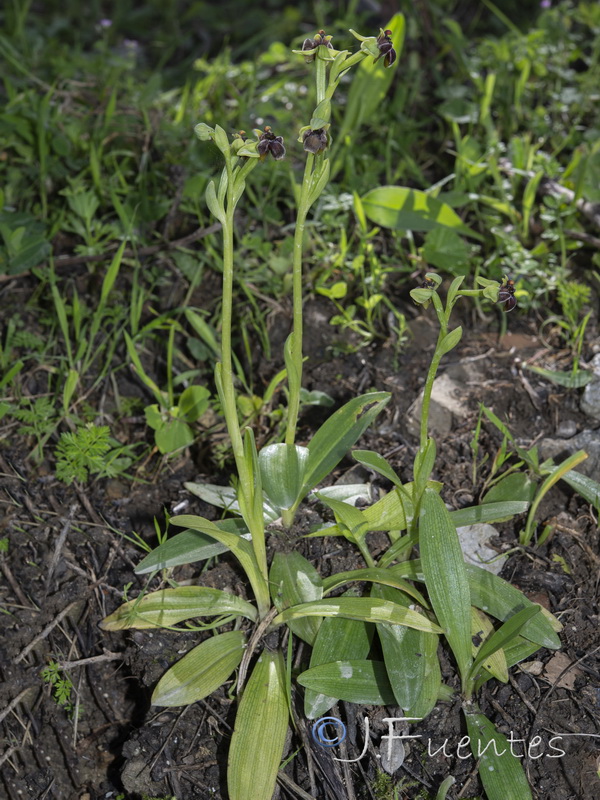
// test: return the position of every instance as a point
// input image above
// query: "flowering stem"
(443, 316)
(321, 76)
(297, 322)
(230, 407)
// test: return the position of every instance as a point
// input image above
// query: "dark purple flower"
(321, 38)
(506, 295)
(269, 143)
(315, 141)
(386, 48)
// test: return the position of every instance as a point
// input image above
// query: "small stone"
(566, 429)
(590, 399)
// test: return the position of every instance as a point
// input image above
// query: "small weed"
(90, 450)
(62, 688)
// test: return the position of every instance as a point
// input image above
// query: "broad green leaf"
(359, 608)
(445, 577)
(517, 486)
(240, 548)
(501, 600)
(389, 513)
(354, 681)
(337, 435)
(498, 599)
(572, 380)
(488, 512)
(431, 686)
(201, 671)
(172, 435)
(226, 497)
(402, 208)
(193, 402)
(445, 250)
(339, 639)
(188, 547)
(402, 651)
(374, 575)
(376, 462)
(348, 517)
(501, 773)
(347, 492)
(282, 469)
(294, 580)
(260, 729)
(167, 607)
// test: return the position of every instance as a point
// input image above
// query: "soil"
(67, 564)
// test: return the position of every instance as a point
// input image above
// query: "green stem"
(170, 344)
(321, 75)
(297, 321)
(443, 317)
(229, 404)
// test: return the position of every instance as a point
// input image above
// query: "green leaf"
(349, 518)
(390, 512)
(294, 580)
(201, 671)
(319, 182)
(423, 465)
(213, 204)
(507, 633)
(446, 250)
(193, 402)
(490, 512)
(240, 548)
(446, 578)
(501, 600)
(188, 547)
(572, 380)
(402, 651)
(167, 607)
(517, 486)
(260, 730)
(354, 681)
(374, 575)
(432, 681)
(282, 469)
(450, 341)
(337, 435)
(588, 488)
(377, 463)
(402, 208)
(226, 497)
(337, 639)
(173, 434)
(359, 608)
(501, 773)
